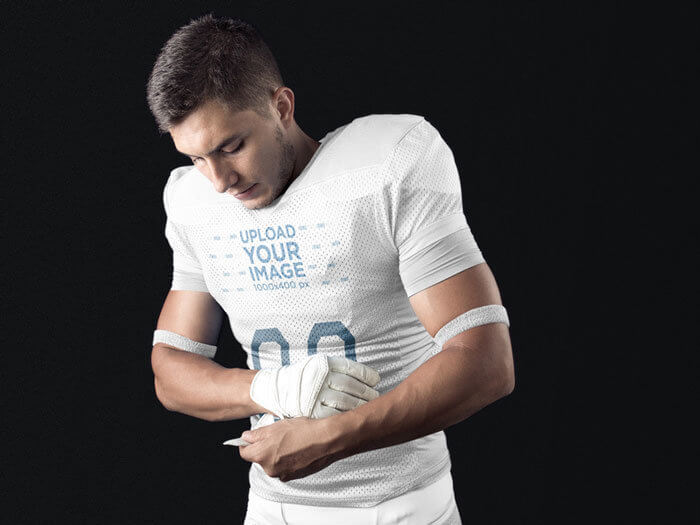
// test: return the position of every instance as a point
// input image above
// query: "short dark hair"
(211, 58)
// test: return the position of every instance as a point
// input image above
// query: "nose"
(221, 175)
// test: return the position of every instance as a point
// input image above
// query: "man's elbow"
(158, 354)
(160, 395)
(507, 382)
(504, 380)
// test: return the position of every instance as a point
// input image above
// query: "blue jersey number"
(318, 330)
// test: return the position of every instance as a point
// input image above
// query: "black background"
(568, 125)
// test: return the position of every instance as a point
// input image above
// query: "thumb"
(251, 436)
(255, 433)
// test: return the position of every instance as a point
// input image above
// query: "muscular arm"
(474, 369)
(190, 383)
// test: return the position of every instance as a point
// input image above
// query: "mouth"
(245, 194)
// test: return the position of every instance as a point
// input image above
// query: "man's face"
(258, 156)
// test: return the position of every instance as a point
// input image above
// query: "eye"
(240, 145)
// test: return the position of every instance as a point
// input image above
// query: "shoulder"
(367, 141)
(378, 135)
(420, 153)
(186, 188)
(387, 128)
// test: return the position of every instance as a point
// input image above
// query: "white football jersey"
(328, 267)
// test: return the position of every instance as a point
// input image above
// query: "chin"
(255, 205)
(261, 202)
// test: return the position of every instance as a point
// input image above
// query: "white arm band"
(183, 343)
(492, 313)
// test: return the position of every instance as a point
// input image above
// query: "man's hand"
(290, 448)
(316, 387)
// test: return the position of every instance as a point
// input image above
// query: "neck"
(305, 149)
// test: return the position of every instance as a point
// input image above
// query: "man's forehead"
(206, 129)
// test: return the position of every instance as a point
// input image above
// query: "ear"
(283, 101)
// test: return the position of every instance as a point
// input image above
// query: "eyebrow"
(221, 145)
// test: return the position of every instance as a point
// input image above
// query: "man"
(350, 278)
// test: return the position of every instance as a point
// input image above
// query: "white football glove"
(316, 387)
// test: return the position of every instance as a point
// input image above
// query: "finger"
(246, 453)
(320, 411)
(251, 436)
(350, 385)
(352, 368)
(340, 400)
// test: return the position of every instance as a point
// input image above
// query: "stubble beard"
(285, 168)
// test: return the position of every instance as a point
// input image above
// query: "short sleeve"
(187, 272)
(422, 210)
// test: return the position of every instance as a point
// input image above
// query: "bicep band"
(183, 343)
(492, 313)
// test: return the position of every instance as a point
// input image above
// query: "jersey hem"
(432, 475)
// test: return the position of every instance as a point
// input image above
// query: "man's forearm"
(446, 389)
(197, 386)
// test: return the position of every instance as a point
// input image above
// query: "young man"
(350, 278)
